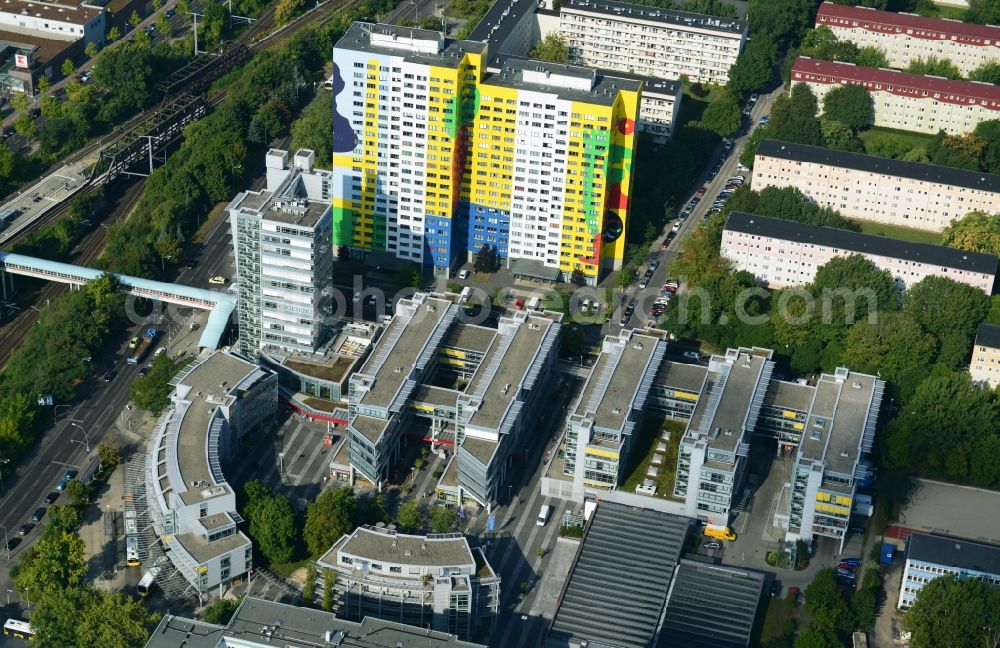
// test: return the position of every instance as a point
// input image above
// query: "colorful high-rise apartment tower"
(444, 154)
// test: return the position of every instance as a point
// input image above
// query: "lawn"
(648, 440)
(916, 140)
(902, 233)
(779, 623)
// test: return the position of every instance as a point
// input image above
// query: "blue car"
(854, 562)
(61, 486)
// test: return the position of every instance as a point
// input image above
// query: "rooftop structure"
(265, 624)
(951, 510)
(933, 556)
(905, 37)
(617, 587)
(217, 401)
(785, 253)
(870, 188)
(711, 606)
(433, 581)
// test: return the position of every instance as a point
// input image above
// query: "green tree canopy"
(894, 346)
(314, 130)
(221, 611)
(443, 519)
(152, 391)
(827, 608)
(56, 562)
(272, 522)
(950, 311)
(934, 66)
(871, 56)
(850, 105)
(887, 145)
(551, 48)
(749, 152)
(410, 516)
(840, 137)
(984, 12)
(793, 117)
(955, 613)
(976, 232)
(754, 67)
(723, 116)
(329, 517)
(987, 72)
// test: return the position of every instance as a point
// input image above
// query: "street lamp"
(86, 443)
(5, 461)
(6, 542)
(55, 413)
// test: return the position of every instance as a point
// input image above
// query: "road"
(645, 298)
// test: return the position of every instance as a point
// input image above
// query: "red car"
(701, 192)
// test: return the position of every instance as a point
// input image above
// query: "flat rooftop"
(481, 449)
(617, 587)
(332, 368)
(965, 33)
(302, 627)
(617, 394)
(470, 337)
(178, 632)
(988, 335)
(789, 395)
(389, 546)
(683, 376)
(633, 12)
(952, 510)
(203, 551)
(960, 554)
(499, 22)
(76, 14)
(414, 45)
(522, 74)
(411, 334)
(439, 396)
(504, 385)
(369, 427)
(711, 606)
(737, 395)
(839, 412)
(210, 384)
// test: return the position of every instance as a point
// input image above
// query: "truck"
(720, 532)
(142, 347)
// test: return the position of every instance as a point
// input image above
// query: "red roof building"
(905, 37)
(907, 101)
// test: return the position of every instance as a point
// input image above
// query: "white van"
(543, 515)
(466, 293)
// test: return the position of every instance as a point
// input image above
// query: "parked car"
(775, 588)
(691, 355)
(654, 263)
(764, 120)
(742, 169)
(109, 375)
(677, 226)
(51, 498)
(38, 514)
(70, 474)
(643, 284)
(671, 283)
(169, 13)
(754, 97)
(25, 529)
(846, 567)
(701, 191)
(217, 281)
(144, 371)
(13, 542)
(845, 573)
(191, 264)
(855, 562)
(61, 486)
(860, 530)
(712, 546)
(463, 274)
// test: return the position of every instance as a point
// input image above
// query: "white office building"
(217, 401)
(283, 254)
(651, 41)
(932, 556)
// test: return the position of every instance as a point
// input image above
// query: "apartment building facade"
(602, 431)
(217, 401)
(865, 187)
(783, 253)
(284, 260)
(985, 365)
(931, 556)
(904, 101)
(653, 42)
(905, 37)
(444, 156)
(434, 581)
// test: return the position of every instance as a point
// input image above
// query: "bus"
(147, 582)
(18, 629)
(130, 526)
(132, 551)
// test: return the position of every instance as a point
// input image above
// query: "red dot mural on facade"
(626, 126)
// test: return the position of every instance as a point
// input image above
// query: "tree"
(56, 562)
(947, 308)
(163, 25)
(814, 638)
(20, 102)
(895, 346)
(56, 618)
(24, 125)
(109, 455)
(329, 580)
(754, 67)
(793, 117)
(987, 72)
(410, 517)
(850, 105)
(976, 232)
(955, 613)
(134, 19)
(67, 67)
(43, 84)
(114, 34)
(750, 148)
(826, 606)
(63, 518)
(989, 132)
(984, 12)
(871, 56)
(329, 517)
(124, 72)
(723, 115)
(91, 49)
(221, 611)
(152, 391)
(113, 620)
(487, 259)
(839, 137)
(288, 9)
(309, 586)
(935, 67)
(887, 145)
(577, 278)
(77, 493)
(314, 130)
(551, 48)
(272, 522)
(443, 519)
